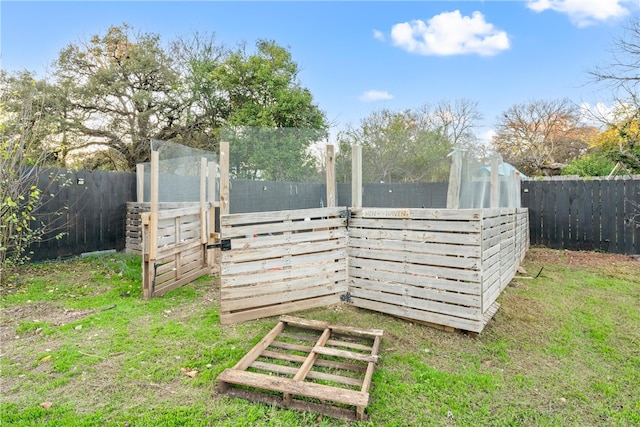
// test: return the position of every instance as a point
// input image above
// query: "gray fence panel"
(591, 214)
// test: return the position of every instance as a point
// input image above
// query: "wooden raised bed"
(308, 365)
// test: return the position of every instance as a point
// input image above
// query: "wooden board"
(334, 377)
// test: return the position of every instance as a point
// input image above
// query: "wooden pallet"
(308, 365)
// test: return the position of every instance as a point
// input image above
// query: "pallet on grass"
(308, 365)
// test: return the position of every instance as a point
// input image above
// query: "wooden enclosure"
(333, 377)
(444, 267)
(440, 266)
(282, 261)
(177, 240)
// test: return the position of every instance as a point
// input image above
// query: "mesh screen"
(275, 168)
(179, 172)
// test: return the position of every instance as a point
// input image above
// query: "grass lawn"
(81, 347)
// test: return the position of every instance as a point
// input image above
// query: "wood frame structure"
(176, 241)
(333, 378)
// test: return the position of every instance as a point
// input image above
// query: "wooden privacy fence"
(444, 267)
(584, 214)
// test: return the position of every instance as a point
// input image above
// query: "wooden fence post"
(140, 182)
(331, 177)
(212, 236)
(356, 176)
(455, 175)
(495, 183)
(151, 245)
(224, 178)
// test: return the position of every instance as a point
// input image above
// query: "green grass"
(563, 349)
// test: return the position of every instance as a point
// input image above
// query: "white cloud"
(375, 95)
(583, 13)
(450, 33)
(378, 35)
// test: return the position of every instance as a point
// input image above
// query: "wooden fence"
(444, 267)
(579, 214)
(87, 207)
(282, 261)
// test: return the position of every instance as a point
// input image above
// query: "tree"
(397, 146)
(121, 89)
(23, 153)
(457, 120)
(540, 137)
(264, 93)
(623, 72)
(615, 146)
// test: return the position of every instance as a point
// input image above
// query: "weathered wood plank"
(424, 270)
(409, 278)
(471, 313)
(260, 288)
(283, 262)
(241, 316)
(286, 275)
(417, 225)
(417, 258)
(426, 295)
(281, 227)
(357, 239)
(302, 248)
(275, 216)
(314, 375)
(420, 315)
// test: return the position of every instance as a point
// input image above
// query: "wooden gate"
(179, 254)
(283, 261)
(176, 242)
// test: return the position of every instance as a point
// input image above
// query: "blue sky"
(357, 57)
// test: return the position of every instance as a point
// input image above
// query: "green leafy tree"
(397, 146)
(272, 119)
(121, 89)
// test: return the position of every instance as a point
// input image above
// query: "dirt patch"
(542, 256)
(41, 312)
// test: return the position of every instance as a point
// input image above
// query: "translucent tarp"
(179, 172)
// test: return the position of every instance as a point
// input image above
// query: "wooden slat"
(408, 278)
(299, 260)
(319, 362)
(418, 225)
(280, 369)
(260, 289)
(422, 236)
(281, 227)
(290, 307)
(275, 216)
(245, 255)
(334, 352)
(266, 242)
(288, 278)
(286, 385)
